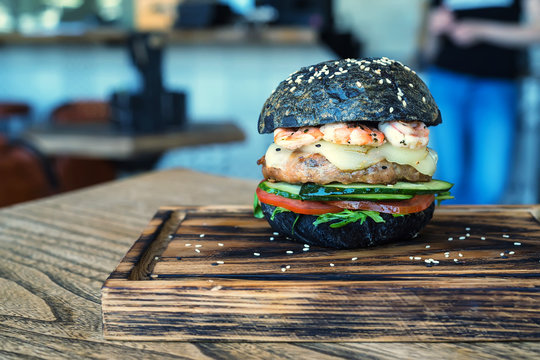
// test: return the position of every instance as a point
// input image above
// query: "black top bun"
(371, 89)
(350, 236)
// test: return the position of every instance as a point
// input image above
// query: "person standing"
(476, 48)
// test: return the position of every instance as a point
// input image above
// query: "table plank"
(57, 252)
(103, 142)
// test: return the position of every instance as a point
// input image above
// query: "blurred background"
(96, 90)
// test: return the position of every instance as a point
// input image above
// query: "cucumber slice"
(284, 189)
(340, 197)
(404, 188)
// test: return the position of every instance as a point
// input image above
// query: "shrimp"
(412, 135)
(294, 138)
(352, 134)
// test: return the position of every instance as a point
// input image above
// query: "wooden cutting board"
(217, 273)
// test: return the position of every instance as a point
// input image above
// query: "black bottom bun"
(350, 236)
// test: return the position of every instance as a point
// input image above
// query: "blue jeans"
(475, 141)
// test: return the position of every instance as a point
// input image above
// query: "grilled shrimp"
(292, 138)
(352, 134)
(412, 135)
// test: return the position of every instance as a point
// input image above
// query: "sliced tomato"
(297, 206)
(415, 204)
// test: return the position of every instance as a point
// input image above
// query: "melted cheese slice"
(350, 157)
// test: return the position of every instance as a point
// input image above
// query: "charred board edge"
(356, 311)
(158, 242)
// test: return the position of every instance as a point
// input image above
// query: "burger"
(349, 166)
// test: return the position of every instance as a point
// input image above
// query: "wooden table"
(57, 252)
(103, 142)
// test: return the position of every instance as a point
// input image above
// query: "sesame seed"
(188, 244)
(423, 99)
(220, 244)
(506, 236)
(197, 250)
(156, 257)
(411, 85)
(359, 84)
(517, 243)
(154, 276)
(462, 238)
(467, 234)
(257, 254)
(367, 68)
(288, 267)
(331, 264)
(331, 76)
(275, 233)
(289, 252)
(305, 249)
(378, 71)
(292, 89)
(391, 110)
(311, 68)
(202, 235)
(410, 257)
(388, 81)
(362, 67)
(511, 252)
(417, 258)
(456, 260)
(354, 258)
(428, 246)
(467, 229)
(283, 269)
(407, 68)
(220, 262)
(483, 238)
(502, 254)
(381, 81)
(404, 103)
(198, 246)
(460, 255)
(335, 63)
(310, 80)
(450, 238)
(271, 239)
(446, 255)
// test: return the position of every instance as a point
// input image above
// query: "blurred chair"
(10, 111)
(25, 175)
(82, 112)
(75, 172)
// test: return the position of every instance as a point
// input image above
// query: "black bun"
(372, 89)
(352, 235)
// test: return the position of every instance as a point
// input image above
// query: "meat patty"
(317, 169)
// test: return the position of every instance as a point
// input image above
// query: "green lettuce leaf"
(257, 210)
(347, 217)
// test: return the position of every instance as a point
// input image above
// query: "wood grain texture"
(217, 273)
(56, 253)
